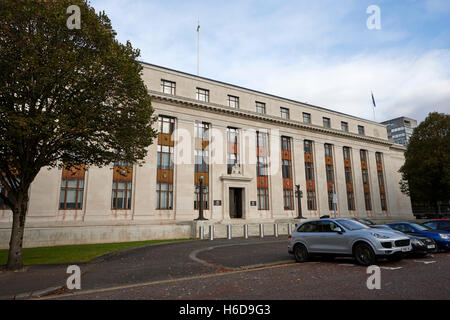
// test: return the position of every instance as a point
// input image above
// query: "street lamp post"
(299, 195)
(200, 202)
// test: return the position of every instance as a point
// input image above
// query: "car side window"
(308, 227)
(399, 227)
(327, 226)
(432, 224)
(444, 224)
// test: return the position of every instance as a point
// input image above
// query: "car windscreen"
(420, 227)
(352, 225)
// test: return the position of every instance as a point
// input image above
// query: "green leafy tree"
(426, 172)
(67, 96)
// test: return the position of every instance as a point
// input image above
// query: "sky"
(320, 52)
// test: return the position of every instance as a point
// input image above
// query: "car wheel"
(364, 254)
(300, 253)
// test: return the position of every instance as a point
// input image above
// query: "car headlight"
(417, 242)
(380, 236)
(444, 236)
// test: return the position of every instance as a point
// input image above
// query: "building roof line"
(264, 93)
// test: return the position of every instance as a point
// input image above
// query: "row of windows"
(201, 94)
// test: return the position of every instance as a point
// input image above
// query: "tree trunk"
(19, 209)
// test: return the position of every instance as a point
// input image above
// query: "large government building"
(250, 150)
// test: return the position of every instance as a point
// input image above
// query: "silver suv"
(345, 237)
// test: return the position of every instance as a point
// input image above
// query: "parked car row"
(364, 240)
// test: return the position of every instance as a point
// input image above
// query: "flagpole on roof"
(374, 105)
(198, 48)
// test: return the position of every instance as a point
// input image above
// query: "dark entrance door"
(236, 203)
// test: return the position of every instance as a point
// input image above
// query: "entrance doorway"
(236, 203)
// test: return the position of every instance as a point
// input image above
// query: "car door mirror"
(338, 230)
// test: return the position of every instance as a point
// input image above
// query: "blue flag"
(373, 100)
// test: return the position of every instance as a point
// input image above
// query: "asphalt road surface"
(253, 269)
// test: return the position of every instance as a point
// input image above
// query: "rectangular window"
(306, 117)
(367, 201)
(311, 200)
(232, 149)
(284, 113)
(348, 175)
(288, 199)
(121, 195)
(166, 125)
(164, 158)
(286, 169)
(351, 201)
(309, 171)
(344, 126)
(261, 107)
(71, 197)
(363, 155)
(201, 130)
(308, 146)
(201, 159)
(285, 144)
(263, 199)
(233, 102)
(326, 122)
(164, 196)
(72, 188)
(361, 130)
(330, 173)
(202, 94)
(346, 153)
(328, 150)
(167, 87)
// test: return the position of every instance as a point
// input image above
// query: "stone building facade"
(249, 148)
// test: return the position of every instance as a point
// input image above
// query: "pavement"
(236, 269)
(158, 262)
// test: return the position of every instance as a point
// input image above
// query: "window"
(201, 160)
(351, 201)
(202, 94)
(311, 200)
(306, 117)
(261, 167)
(330, 200)
(346, 153)
(286, 169)
(260, 107)
(309, 227)
(164, 195)
(288, 199)
(72, 188)
(330, 173)
(348, 175)
(344, 126)
(71, 196)
(165, 158)
(201, 130)
(263, 199)
(326, 122)
(121, 195)
(309, 171)
(262, 139)
(166, 125)
(361, 130)
(365, 176)
(328, 150)
(308, 146)
(285, 144)
(367, 201)
(232, 149)
(284, 113)
(233, 102)
(363, 155)
(167, 87)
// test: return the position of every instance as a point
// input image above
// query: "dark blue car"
(441, 237)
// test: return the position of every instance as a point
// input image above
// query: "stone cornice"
(212, 107)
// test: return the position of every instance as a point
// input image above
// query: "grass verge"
(74, 253)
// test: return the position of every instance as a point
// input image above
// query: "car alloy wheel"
(300, 253)
(364, 254)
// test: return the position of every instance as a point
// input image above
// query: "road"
(253, 269)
